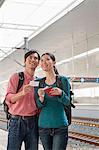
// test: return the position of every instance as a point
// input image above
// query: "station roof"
(27, 18)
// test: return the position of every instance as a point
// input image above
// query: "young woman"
(53, 123)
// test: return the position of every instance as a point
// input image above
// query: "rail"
(85, 123)
(84, 138)
(85, 118)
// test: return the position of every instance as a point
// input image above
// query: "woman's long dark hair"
(53, 59)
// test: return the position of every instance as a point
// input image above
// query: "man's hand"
(26, 89)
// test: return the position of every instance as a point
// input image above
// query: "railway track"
(94, 140)
(83, 137)
(85, 123)
(86, 119)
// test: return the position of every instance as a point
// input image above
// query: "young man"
(23, 126)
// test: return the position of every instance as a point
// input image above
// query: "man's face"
(32, 61)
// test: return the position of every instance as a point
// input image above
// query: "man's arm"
(26, 89)
(11, 95)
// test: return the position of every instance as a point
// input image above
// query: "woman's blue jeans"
(23, 130)
(54, 138)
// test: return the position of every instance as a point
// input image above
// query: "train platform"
(3, 141)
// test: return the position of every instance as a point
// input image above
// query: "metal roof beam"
(1, 2)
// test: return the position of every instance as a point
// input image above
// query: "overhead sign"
(84, 79)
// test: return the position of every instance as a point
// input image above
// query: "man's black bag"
(60, 85)
(20, 83)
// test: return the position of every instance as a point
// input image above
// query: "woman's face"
(47, 63)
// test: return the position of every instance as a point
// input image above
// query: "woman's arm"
(40, 98)
(65, 96)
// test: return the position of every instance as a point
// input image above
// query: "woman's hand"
(56, 91)
(41, 94)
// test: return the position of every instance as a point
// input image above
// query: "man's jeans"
(54, 138)
(23, 130)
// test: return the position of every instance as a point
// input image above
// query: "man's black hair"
(31, 52)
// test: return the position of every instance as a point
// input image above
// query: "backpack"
(20, 83)
(60, 85)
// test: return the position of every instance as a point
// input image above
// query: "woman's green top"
(52, 113)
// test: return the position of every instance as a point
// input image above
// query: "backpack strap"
(59, 82)
(41, 82)
(6, 107)
(21, 80)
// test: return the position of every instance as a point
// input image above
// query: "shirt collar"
(28, 76)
